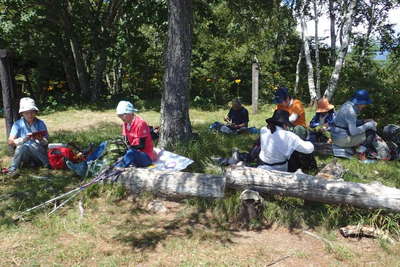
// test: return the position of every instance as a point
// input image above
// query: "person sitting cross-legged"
(30, 137)
(278, 144)
(138, 136)
(237, 119)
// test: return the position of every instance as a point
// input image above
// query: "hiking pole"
(63, 203)
(52, 200)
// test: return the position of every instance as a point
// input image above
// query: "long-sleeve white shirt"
(278, 147)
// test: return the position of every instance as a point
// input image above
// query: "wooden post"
(254, 86)
(9, 92)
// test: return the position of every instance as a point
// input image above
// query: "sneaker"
(80, 168)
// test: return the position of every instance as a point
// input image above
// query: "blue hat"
(361, 97)
(125, 107)
(281, 95)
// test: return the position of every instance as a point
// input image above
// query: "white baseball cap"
(27, 104)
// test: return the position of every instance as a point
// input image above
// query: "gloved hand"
(19, 141)
(370, 125)
(44, 141)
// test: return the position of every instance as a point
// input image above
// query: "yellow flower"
(50, 88)
(238, 81)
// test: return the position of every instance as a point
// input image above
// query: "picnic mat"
(168, 161)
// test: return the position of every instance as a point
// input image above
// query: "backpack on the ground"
(58, 155)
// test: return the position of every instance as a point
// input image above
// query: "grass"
(115, 231)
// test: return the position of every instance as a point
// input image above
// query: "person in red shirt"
(138, 136)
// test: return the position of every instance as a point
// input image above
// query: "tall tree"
(175, 121)
(316, 37)
(332, 19)
(314, 94)
(345, 37)
(9, 93)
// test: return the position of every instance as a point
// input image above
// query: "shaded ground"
(125, 234)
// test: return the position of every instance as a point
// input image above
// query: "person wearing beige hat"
(321, 122)
(29, 135)
(324, 114)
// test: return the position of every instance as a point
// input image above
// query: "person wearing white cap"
(29, 135)
(138, 136)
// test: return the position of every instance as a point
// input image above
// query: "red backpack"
(58, 155)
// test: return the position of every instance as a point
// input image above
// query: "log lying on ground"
(173, 184)
(373, 195)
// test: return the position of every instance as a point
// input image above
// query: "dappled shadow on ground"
(146, 231)
(35, 186)
(31, 188)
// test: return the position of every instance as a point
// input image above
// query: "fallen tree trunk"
(174, 184)
(373, 195)
(184, 184)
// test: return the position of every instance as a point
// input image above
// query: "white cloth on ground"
(278, 147)
(168, 161)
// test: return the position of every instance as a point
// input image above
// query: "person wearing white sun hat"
(29, 135)
(138, 136)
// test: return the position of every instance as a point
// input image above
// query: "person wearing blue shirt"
(237, 118)
(29, 135)
(347, 130)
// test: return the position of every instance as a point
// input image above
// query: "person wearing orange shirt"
(294, 106)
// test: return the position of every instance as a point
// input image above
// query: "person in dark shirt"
(237, 119)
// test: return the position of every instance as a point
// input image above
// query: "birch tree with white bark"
(345, 35)
(314, 94)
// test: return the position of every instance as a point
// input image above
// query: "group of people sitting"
(282, 140)
(286, 137)
(29, 136)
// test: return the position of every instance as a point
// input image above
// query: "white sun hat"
(125, 107)
(27, 104)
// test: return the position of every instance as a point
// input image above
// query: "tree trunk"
(254, 86)
(310, 71)
(332, 18)
(183, 184)
(173, 184)
(70, 72)
(175, 121)
(298, 65)
(98, 81)
(373, 195)
(365, 43)
(80, 67)
(76, 49)
(9, 93)
(345, 34)
(317, 64)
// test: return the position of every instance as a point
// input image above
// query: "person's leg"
(20, 155)
(39, 153)
(242, 130)
(136, 158)
(225, 129)
(350, 141)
